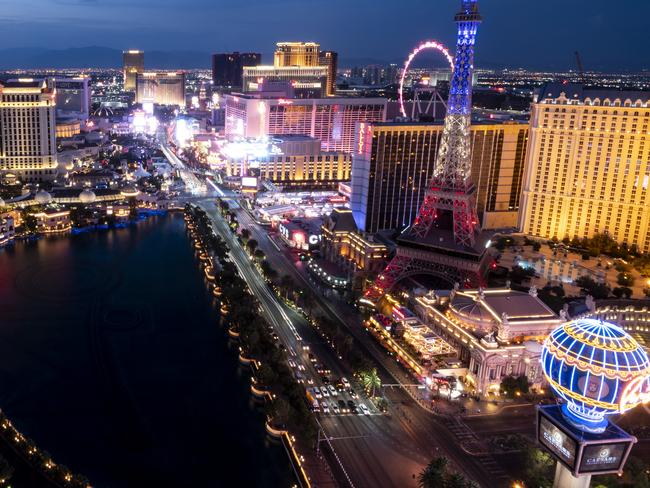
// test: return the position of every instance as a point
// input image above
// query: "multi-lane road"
(373, 450)
(386, 450)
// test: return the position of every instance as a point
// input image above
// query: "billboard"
(582, 452)
(558, 442)
(249, 182)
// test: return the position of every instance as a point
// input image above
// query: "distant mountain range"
(105, 57)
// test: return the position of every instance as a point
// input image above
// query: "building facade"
(161, 88)
(332, 120)
(295, 162)
(227, 68)
(393, 164)
(73, 97)
(307, 81)
(331, 60)
(497, 333)
(353, 251)
(296, 54)
(588, 166)
(132, 64)
(28, 129)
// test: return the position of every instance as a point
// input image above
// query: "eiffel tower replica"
(445, 239)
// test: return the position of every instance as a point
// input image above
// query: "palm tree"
(259, 255)
(6, 470)
(245, 234)
(251, 245)
(433, 476)
(370, 380)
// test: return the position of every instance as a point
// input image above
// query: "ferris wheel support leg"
(565, 479)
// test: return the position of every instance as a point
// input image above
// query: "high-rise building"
(73, 97)
(301, 54)
(307, 82)
(133, 64)
(28, 129)
(227, 68)
(394, 163)
(588, 167)
(331, 60)
(296, 162)
(332, 120)
(161, 88)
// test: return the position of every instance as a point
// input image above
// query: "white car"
(325, 407)
(332, 390)
(335, 408)
(317, 392)
(345, 382)
(323, 390)
(364, 409)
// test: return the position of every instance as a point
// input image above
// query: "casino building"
(497, 332)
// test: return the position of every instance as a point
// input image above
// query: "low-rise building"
(53, 220)
(497, 333)
(7, 230)
(345, 246)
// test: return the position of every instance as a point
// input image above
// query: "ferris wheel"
(425, 45)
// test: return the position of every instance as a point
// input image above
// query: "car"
(292, 363)
(324, 391)
(335, 408)
(354, 410)
(310, 381)
(325, 380)
(352, 393)
(325, 406)
(299, 377)
(351, 404)
(317, 392)
(343, 407)
(364, 409)
(314, 406)
(312, 358)
(345, 382)
(332, 390)
(301, 367)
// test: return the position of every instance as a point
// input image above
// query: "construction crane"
(581, 71)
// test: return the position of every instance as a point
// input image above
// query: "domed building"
(87, 196)
(42, 197)
(129, 191)
(497, 332)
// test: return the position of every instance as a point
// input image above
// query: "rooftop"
(577, 91)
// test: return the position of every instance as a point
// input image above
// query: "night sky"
(516, 33)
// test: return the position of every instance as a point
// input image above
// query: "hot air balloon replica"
(597, 369)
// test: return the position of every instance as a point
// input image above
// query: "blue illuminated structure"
(598, 368)
(460, 90)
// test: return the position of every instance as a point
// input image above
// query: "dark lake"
(113, 361)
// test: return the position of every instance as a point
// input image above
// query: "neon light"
(598, 368)
(425, 45)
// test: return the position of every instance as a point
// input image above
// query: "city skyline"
(604, 36)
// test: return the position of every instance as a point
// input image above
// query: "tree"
(433, 476)
(539, 468)
(625, 279)
(245, 234)
(510, 385)
(30, 223)
(259, 255)
(591, 287)
(6, 470)
(252, 245)
(370, 380)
